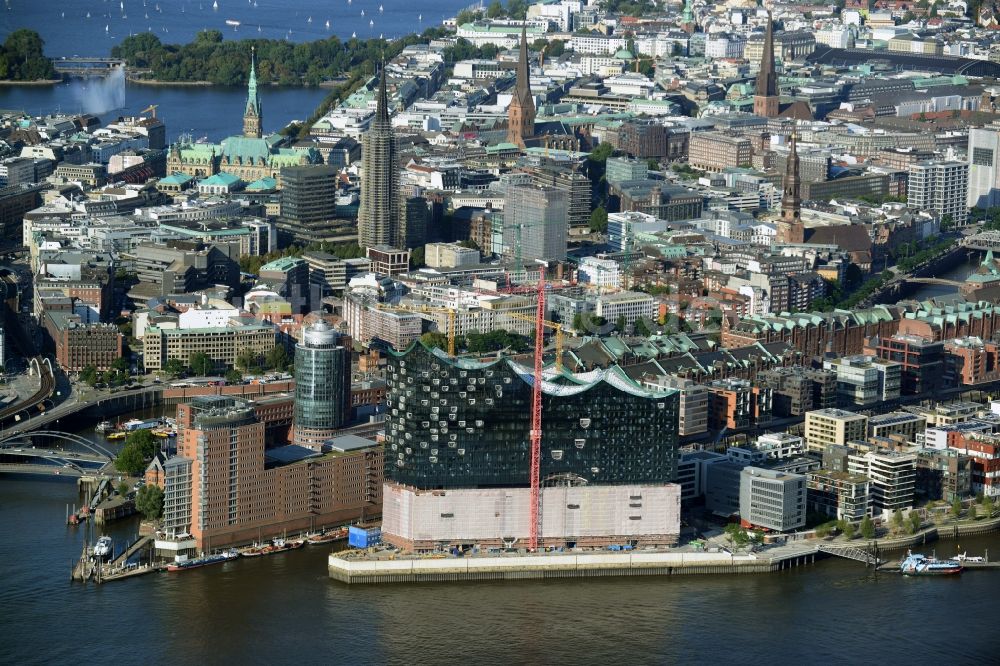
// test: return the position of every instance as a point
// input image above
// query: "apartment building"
(893, 478)
(865, 380)
(840, 495)
(941, 186)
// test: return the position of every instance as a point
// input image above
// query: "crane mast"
(536, 418)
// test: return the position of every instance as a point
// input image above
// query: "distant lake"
(202, 111)
(67, 31)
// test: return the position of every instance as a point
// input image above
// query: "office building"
(322, 385)
(224, 488)
(222, 344)
(378, 215)
(386, 260)
(921, 361)
(308, 200)
(893, 478)
(78, 341)
(940, 186)
(984, 168)
(866, 380)
(903, 425)
(943, 475)
(825, 427)
(450, 255)
(620, 169)
(713, 151)
(413, 223)
(772, 499)
(535, 223)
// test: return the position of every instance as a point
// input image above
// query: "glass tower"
(322, 384)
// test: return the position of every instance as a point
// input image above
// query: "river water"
(284, 609)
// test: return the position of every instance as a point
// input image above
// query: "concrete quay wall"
(355, 570)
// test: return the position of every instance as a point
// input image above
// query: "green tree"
(897, 520)
(736, 535)
(642, 329)
(435, 339)
(144, 441)
(418, 258)
(233, 376)
(174, 367)
(867, 528)
(621, 324)
(130, 461)
(24, 58)
(849, 530)
(119, 364)
(470, 244)
(599, 219)
(988, 506)
(956, 508)
(277, 357)
(973, 512)
(122, 489)
(201, 364)
(89, 375)
(149, 502)
(601, 153)
(247, 360)
(915, 521)
(495, 9)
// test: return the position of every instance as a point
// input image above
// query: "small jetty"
(91, 567)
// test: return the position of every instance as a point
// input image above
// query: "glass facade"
(465, 424)
(322, 380)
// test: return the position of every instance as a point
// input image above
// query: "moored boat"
(103, 547)
(226, 556)
(916, 564)
(327, 537)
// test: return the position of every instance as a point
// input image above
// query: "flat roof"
(346, 443)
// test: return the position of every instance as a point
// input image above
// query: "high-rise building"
(378, 215)
(766, 101)
(322, 385)
(521, 112)
(825, 427)
(308, 196)
(790, 228)
(941, 186)
(535, 223)
(253, 118)
(413, 226)
(984, 168)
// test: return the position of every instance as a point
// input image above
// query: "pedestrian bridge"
(87, 66)
(933, 280)
(50, 452)
(856, 553)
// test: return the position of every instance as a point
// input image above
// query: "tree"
(915, 521)
(234, 376)
(956, 508)
(435, 339)
(652, 164)
(145, 441)
(988, 506)
(849, 530)
(122, 489)
(277, 358)
(149, 502)
(495, 9)
(601, 153)
(642, 329)
(867, 528)
(119, 364)
(247, 360)
(897, 520)
(23, 57)
(418, 258)
(174, 367)
(89, 375)
(973, 512)
(470, 244)
(201, 364)
(736, 535)
(621, 324)
(130, 461)
(599, 219)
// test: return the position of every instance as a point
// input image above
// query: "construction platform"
(358, 568)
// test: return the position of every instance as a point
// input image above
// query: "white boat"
(420, 17)
(362, 12)
(371, 24)
(215, 4)
(233, 22)
(103, 547)
(309, 20)
(107, 28)
(122, 5)
(328, 24)
(88, 14)
(380, 9)
(354, 35)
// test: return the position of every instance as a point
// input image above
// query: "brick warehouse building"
(843, 333)
(226, 487)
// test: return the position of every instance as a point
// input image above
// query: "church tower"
(790, 228)
(252, 119)
(766, 99)
(521, 112)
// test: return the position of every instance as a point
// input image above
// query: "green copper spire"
(253, 99)
(688, 15)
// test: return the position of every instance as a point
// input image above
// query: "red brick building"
(78, 344)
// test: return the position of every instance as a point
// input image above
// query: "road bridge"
(932, 280)
(63, 438)
(86, 67)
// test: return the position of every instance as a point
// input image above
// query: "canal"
(284, 608)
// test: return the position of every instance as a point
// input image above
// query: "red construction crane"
(536, 417)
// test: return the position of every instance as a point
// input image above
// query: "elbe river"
(284, 609)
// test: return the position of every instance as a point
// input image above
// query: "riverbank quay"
(357, 567)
